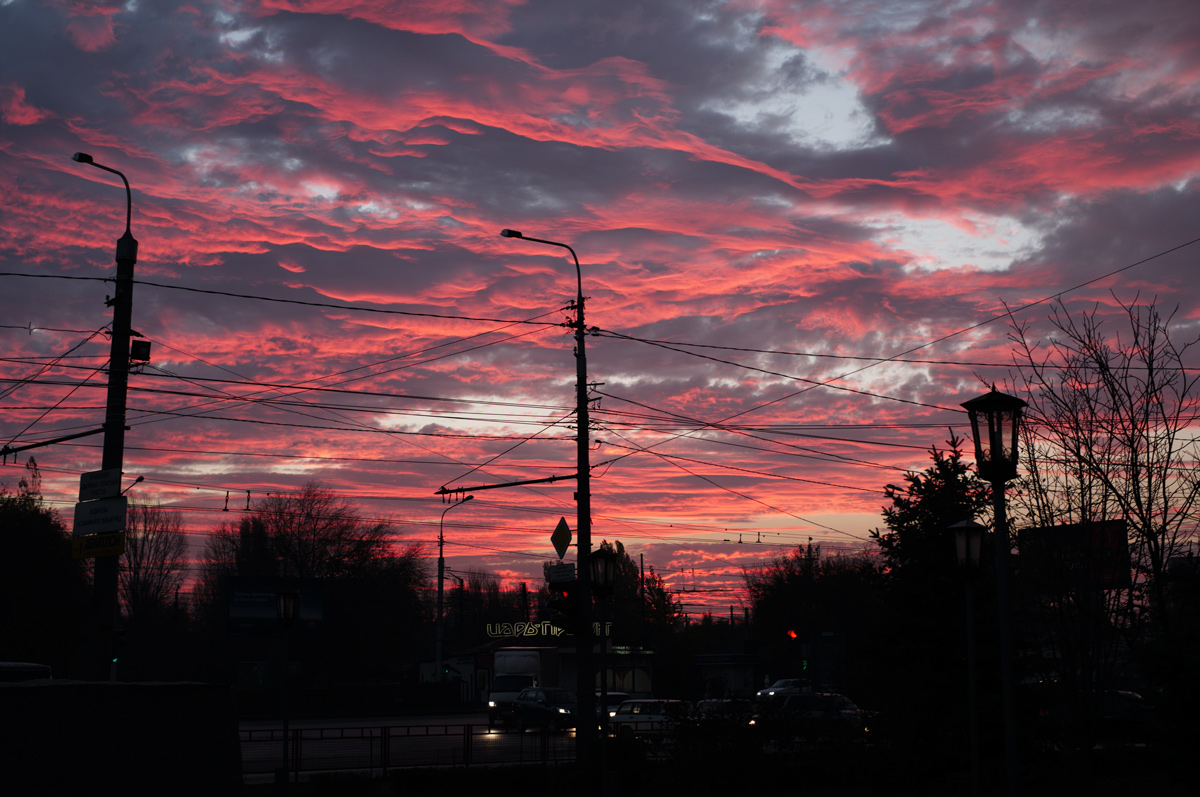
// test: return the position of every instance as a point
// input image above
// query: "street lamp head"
(968, 539)
(511, 234)
(287, 604)
(603, 562)
(82, 157)
(996, 427)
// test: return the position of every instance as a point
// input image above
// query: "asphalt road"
(375, 744)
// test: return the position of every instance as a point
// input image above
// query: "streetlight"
(105, 576)
(441, 622)
(998, 416)
(968, 540)
(586, 670)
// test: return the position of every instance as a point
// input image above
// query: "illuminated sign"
(546, 628)
(92, 545)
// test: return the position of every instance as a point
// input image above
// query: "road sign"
(98, 545)
(561, 573)
(100, 484)
(561, 537)
(100, 517)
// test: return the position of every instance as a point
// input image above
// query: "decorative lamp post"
(585, 664)
(604, 572)
(968, 540)
(996, 427)
(439, 670)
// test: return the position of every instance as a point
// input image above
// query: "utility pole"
(585, 690)
(105, 576)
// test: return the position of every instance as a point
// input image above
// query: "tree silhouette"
(922, 614)
(644, 610)
(44, 594)
(916, 547)
(800, 595)
(154, 564)
(372, 589)
(1110, 436)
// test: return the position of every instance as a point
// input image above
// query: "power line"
(750, 471)
(813, 382)
(328, 305)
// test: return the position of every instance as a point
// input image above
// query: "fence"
(378, 749)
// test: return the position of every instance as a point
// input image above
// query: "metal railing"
(377, 749)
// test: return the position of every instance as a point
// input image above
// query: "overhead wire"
(669, 460)
(275, 300)
(1007, 314)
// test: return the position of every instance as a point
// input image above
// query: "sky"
(805, 231)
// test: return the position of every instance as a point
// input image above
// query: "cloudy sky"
(799, 226)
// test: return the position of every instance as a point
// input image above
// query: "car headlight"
(491, 704)
(564, 711)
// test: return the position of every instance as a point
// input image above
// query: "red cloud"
(14, 109)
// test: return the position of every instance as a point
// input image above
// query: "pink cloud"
(14, 109)
(91, 25)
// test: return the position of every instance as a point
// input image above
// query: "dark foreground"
(846, 773)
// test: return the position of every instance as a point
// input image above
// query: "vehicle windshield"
(512, 683)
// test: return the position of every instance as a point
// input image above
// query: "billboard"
(253, 609)
(1077, 556)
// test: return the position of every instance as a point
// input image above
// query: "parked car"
(505, 689)
(647, 718)
(713, 710)
(813, 716)
(547, 707)
(615, 699)
(784, 686)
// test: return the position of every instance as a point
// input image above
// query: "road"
(379, 743)
(407, 721)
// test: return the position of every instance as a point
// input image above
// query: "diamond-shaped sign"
(561, 537)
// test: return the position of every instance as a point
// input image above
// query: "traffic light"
(563, 606)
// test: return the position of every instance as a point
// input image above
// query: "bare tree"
(154, 564)
(1111, 432)
(310, 533)
(370, 585)
(318, 534)
(1110, 437)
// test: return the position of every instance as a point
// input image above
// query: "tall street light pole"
(439, 674)
(105, 576)
(585, 664)
(995, 425)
